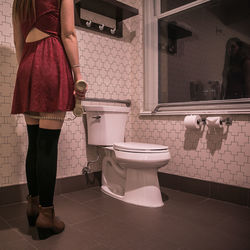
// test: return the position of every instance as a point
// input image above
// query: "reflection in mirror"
(167, 5)
(204, 53)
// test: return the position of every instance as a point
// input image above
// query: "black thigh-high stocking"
(31, 174)
(47, 164)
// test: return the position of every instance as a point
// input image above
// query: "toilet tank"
(106, 124)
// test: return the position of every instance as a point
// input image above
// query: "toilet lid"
(138, 147)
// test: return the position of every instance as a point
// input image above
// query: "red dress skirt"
(44, 81)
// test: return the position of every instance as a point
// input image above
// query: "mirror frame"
(151, 16)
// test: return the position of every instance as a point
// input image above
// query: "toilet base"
(107, 191)
(141, 188)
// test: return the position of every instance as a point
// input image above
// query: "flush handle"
(96, 117)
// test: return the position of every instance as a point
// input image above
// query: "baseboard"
(18, 193)
(234, 194)
(224, 192)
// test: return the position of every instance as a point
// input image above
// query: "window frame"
(152, 14)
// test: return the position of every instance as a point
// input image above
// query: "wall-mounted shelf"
(109, 8)
(175, 32)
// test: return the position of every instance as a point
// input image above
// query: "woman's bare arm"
(18, 38)
(68, 36)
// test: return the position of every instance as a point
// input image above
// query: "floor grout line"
(19, 233)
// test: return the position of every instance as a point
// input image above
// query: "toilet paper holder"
(196, 122)
(202, 121)
(228, 121)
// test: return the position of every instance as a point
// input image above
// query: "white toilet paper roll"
(192, 122)
(214, 122)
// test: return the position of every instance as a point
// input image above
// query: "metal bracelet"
(75, 66)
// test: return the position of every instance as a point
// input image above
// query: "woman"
(47, 53)
(236, 72)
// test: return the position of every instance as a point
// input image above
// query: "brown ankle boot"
(32, 209)
(47, 224)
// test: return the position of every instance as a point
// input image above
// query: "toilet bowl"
(129, 169)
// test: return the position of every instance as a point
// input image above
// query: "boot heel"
(47, 224)
(44, 233)
(32, 220)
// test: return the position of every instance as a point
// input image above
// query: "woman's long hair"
(243, 53)
(25, 10)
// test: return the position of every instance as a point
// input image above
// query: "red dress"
(44, 81)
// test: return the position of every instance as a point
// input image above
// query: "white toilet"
(129, 169)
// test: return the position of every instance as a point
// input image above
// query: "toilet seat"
(137, 147)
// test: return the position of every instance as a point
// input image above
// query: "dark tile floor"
(95, 221)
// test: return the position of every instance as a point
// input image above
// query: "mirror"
(204, 53)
